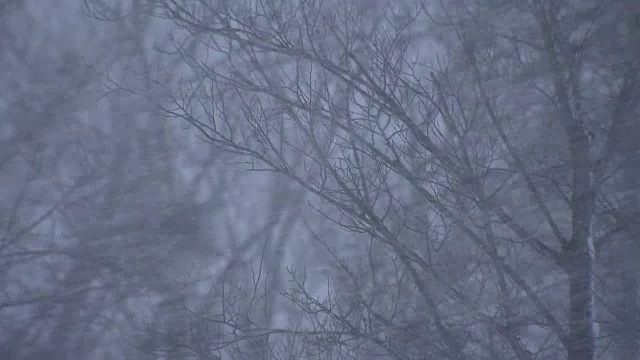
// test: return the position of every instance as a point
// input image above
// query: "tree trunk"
(627, 341)
(581, 309)
(580, 250)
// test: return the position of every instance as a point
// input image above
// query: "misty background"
(306, 179)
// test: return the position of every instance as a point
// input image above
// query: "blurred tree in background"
(355, 180)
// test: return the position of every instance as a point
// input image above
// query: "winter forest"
(320, 179)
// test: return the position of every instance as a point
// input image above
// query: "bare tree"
(486, 130)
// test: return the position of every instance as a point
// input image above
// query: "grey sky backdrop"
(302, 179)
